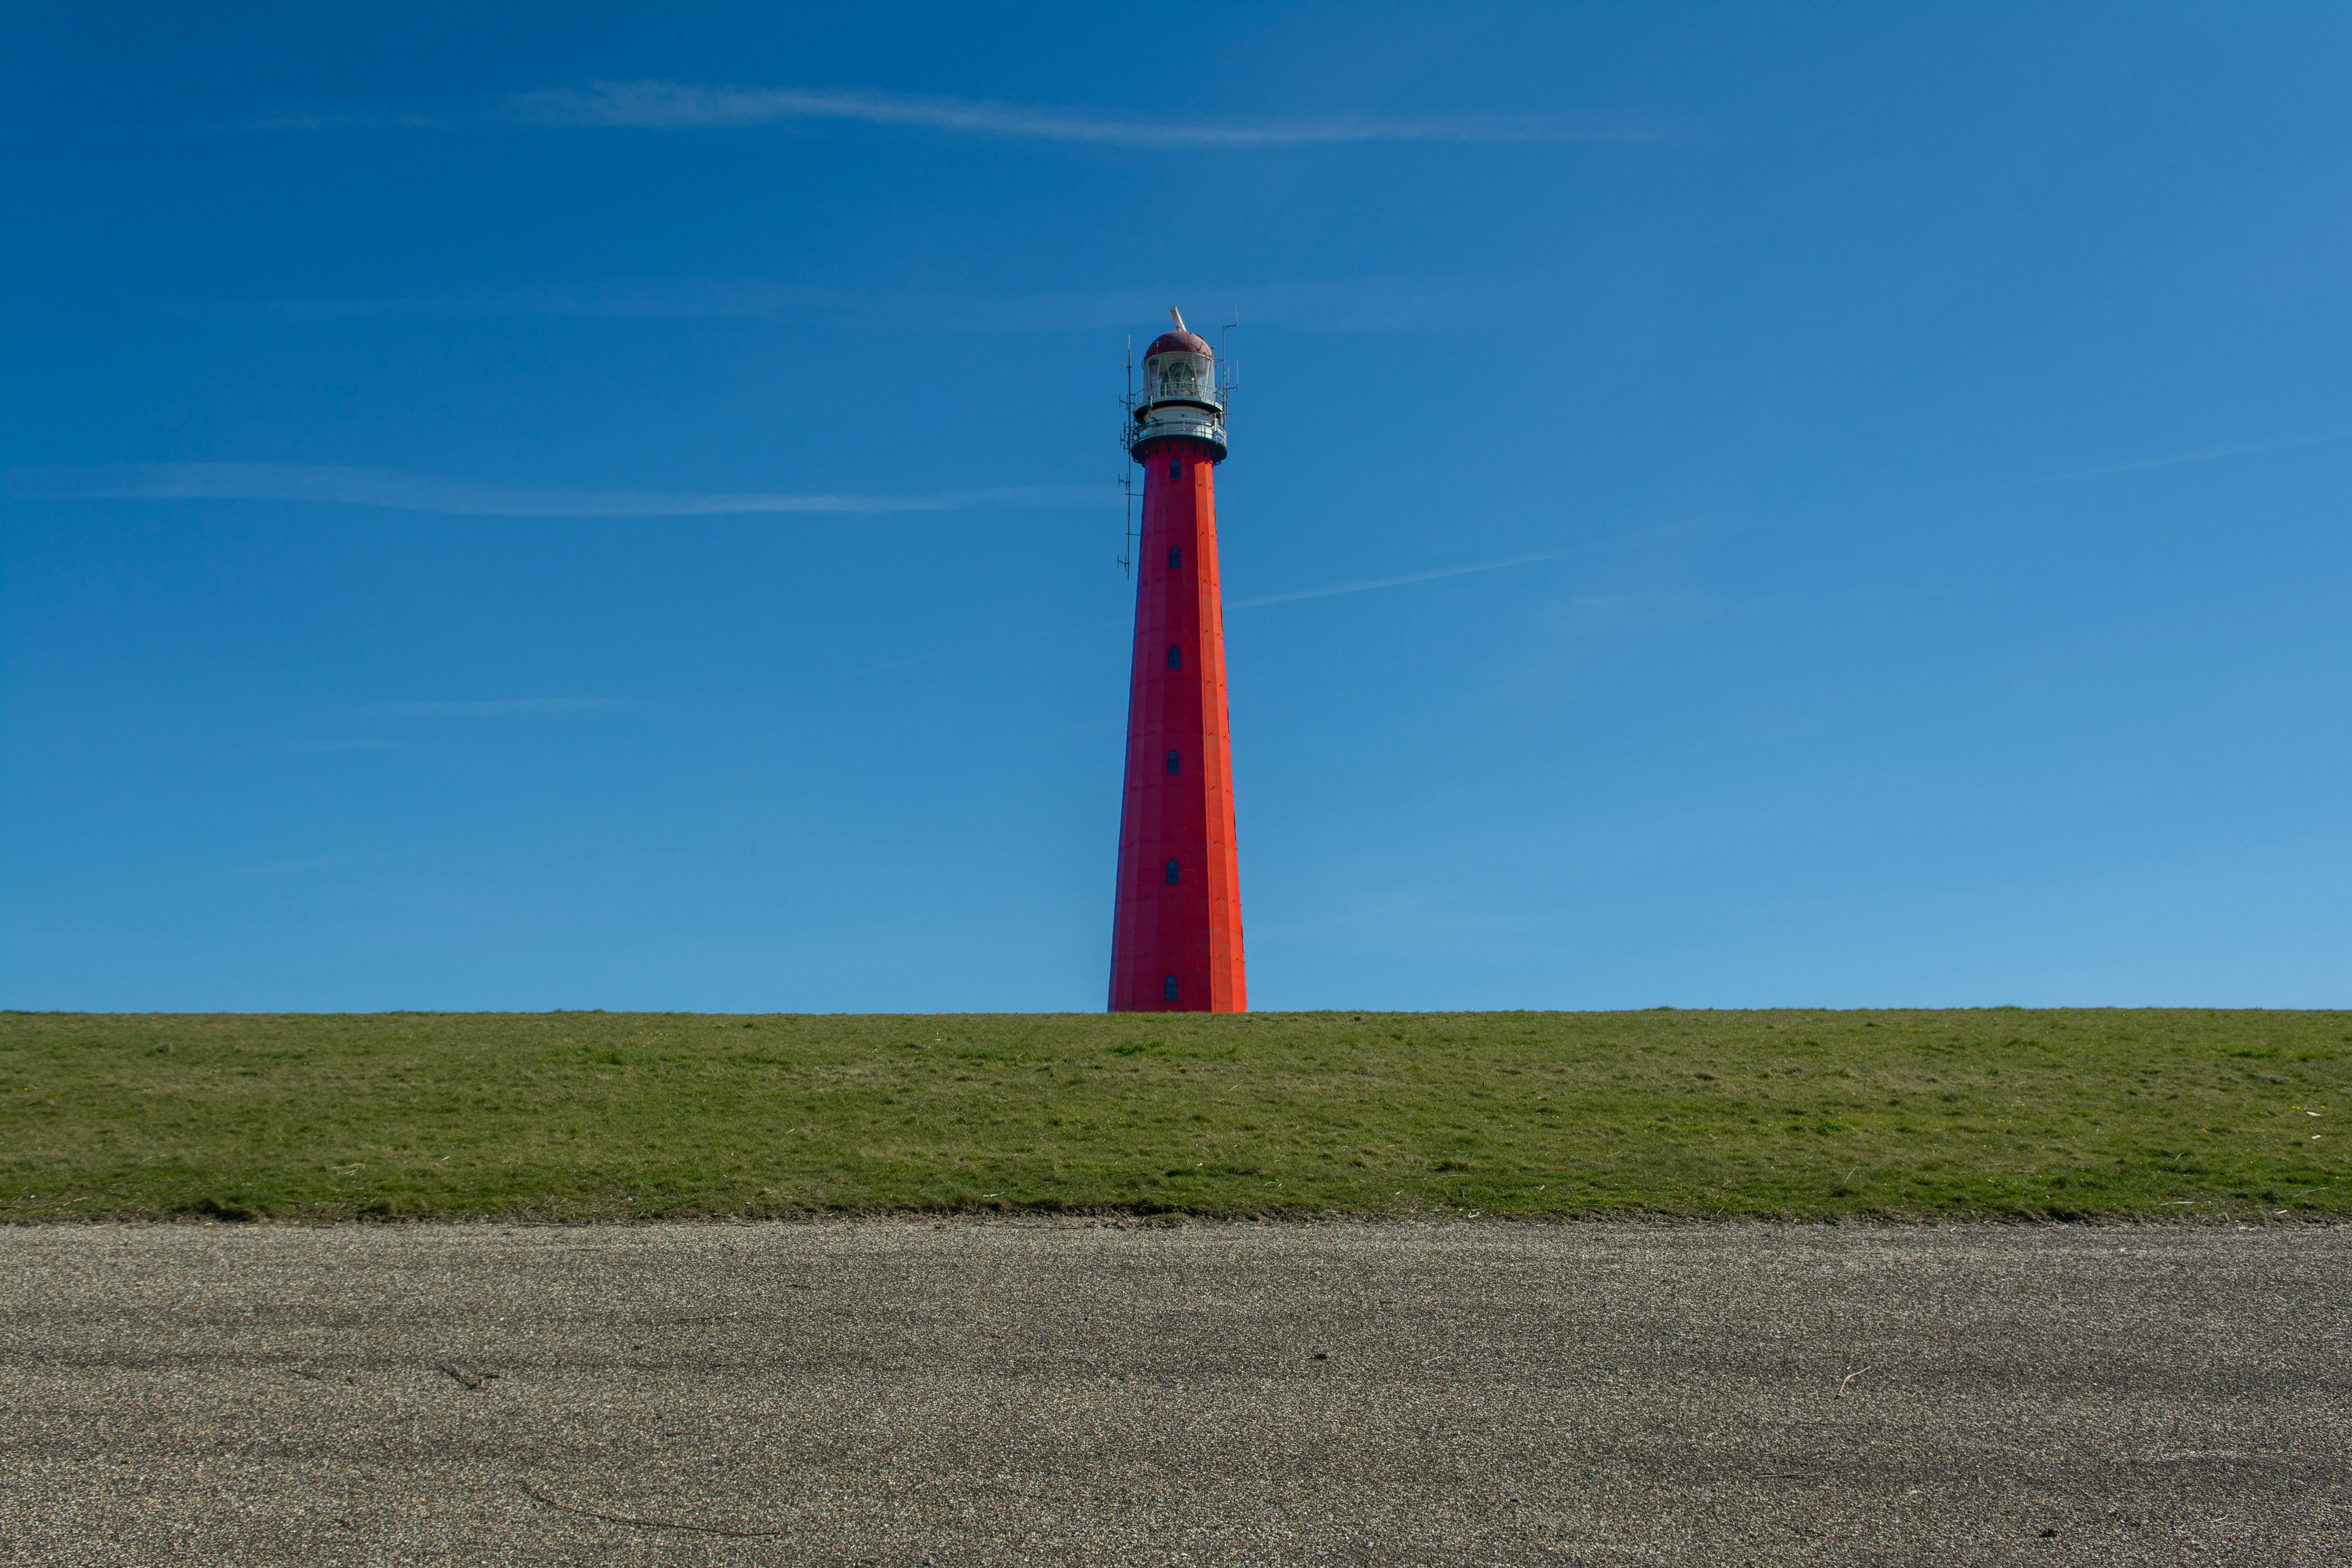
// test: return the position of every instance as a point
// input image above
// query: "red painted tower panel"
(1176, 938)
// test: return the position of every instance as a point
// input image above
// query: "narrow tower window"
(1168, 989)
(1175, 467)
(1175, 657)
(1172, 873)
(1175, 760)
(1175, 557)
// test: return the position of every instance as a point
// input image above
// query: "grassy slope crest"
(1999, 1111)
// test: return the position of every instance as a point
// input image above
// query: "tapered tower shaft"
(1176, 943)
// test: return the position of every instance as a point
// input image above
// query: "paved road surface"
(903, 1393)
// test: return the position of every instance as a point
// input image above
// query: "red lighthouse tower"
(1176, 938)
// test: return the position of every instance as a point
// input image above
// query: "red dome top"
(1176, 343)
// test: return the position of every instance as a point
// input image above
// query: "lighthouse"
(1176, 930)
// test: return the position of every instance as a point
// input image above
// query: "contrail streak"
(674, 106)
(400, 491)
(2206, 455)
(1368, 585)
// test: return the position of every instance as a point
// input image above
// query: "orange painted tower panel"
(1176, 942)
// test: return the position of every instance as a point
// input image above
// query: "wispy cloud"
(401, 492)
(670, 106)
(1346, 305)
(495, 708)
(2206, 454)
(1367, 585)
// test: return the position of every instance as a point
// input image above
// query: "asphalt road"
(903, 1393)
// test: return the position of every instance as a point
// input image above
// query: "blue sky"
(555, 506)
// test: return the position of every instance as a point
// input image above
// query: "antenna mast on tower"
(1127, 467)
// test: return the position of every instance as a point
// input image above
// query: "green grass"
(1996, 1112)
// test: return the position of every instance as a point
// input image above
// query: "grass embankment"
(1999, 1111)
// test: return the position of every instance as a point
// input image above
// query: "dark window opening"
(1175, 657)
(1175, 467)
(1168, 989)
(1174, 759)
(1172, 873)
(1175, 557)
